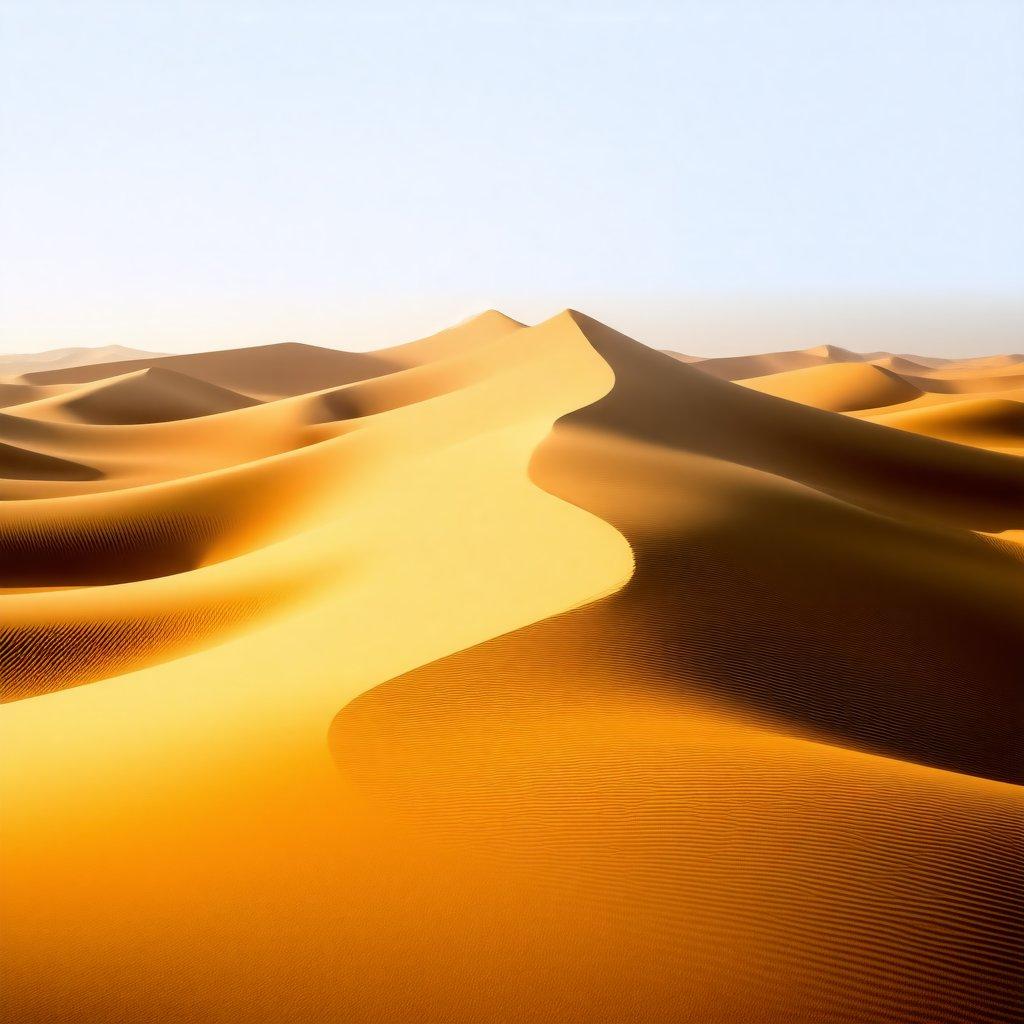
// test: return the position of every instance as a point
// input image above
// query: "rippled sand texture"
(517, 673)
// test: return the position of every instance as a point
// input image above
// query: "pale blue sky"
(187, 175)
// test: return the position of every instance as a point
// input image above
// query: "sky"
(708, 176)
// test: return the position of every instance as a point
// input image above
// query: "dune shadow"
(829, 648)
(17, 463)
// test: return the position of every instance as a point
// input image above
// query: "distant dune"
(66, 358)
(744, 367)
(838, 387)
(153, 395)
(514, 673)
(264, 372)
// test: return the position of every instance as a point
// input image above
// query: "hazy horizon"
(184, 176)
(700, 327)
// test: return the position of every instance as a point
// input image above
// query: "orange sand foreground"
(513, 674)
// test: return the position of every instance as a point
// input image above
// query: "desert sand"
(517, 673)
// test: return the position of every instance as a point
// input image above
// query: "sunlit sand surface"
(514, 674)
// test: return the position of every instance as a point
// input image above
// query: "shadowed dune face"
(647, 694)
(741, 596)
(984, 422)
(164, 529)
(660, 400)
(147, 396)
(23, 464)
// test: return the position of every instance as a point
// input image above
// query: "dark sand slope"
(23, 464)
(153, 395)
(661, 401)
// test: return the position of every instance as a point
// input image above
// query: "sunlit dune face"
(515, 673)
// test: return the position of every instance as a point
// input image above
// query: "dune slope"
(24, 464)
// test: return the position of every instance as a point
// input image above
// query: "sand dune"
(130, 455)
(659, 400)
(985, 422)
(14, 394)
(24, 464)
(745, 367)
(838, 387)
(907, 364)
(512, 673)
(981, 369)
(967, 384)
(981, 366)
(153, 395)
(452, 341)
(709, 771)
(262, 372)
(64, 358)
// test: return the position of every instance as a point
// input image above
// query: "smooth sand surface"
(512, 674)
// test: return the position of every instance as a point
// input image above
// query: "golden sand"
(513, 674)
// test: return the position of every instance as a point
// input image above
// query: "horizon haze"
(183, 175)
